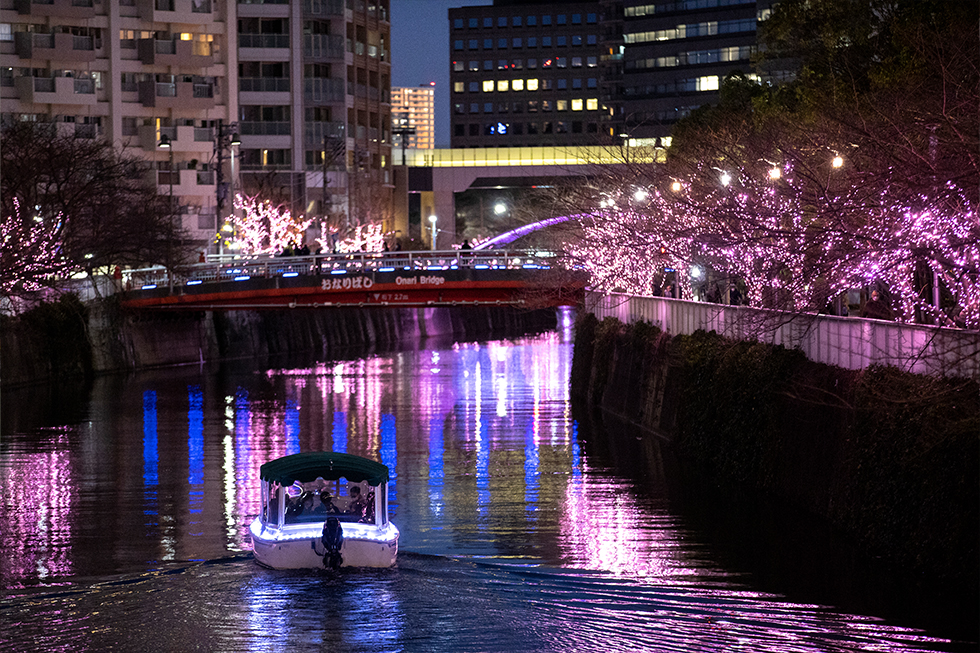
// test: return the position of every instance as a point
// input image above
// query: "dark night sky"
(420, 50)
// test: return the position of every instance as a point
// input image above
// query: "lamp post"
(226, 136)
(433, 220)
(165, 144)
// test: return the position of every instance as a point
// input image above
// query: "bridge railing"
(231, 269)
(851, 343)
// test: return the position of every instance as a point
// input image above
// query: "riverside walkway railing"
(851, 343)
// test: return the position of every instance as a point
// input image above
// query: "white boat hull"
(298, 546)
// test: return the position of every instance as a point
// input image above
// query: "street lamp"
(433, 219)
(165, 144)
(500, 208)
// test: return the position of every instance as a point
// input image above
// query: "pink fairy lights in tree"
(793, 247)
(266, 229)
(30, 253)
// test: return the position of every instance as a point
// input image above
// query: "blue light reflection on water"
(151, 461)
(195, 450)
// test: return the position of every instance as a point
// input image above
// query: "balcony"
(263, 41)
(54, 47)
(177, 95)
(314, 133)
(264, 128)
(187, 12)
(323, 46)
(323, 90)
(56, 8)
(185, 182)
(183, 138)
(263, 85)
(55, 90)
(174, 52)
(323, 8)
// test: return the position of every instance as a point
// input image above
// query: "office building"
(525, 74)
(542, 73)
(666, 59)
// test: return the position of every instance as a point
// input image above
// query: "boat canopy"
(330, 465)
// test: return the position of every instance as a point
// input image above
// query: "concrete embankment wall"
(890, 458)
(68, 339)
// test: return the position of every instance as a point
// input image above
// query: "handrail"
(228, 267)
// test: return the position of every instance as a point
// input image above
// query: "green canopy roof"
(306, 467)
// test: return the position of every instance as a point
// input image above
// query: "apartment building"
(314, 80)
(138, 72)
(413, 110)
(303, 85)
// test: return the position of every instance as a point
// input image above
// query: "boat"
(324, 509)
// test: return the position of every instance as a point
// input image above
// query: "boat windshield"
(317, 500)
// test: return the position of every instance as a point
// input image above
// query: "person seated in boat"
(357, 505)
(368, 517)
(294, 507)
(325, 506)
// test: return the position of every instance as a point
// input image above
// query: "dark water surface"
(123, 523)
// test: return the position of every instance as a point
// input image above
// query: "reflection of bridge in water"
(442, 278)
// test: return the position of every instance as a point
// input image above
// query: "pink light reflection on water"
(37, 497)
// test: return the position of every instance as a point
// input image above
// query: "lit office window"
(576, 105)
(561, 105)
(488, 86)
(707, 83)
(458, 87)
(592, 104)
(503, 85)
(532, 84)
(517, 85)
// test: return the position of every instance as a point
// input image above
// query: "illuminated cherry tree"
(789, 246)
(362, 238)
(262, 228)
(31, 257)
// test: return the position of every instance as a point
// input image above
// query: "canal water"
(125, 507)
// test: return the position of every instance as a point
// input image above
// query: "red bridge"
(464, 277)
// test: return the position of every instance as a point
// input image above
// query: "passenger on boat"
(357, 505)
(326, 504)
(368, 517)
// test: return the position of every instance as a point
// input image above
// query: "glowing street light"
(433, 220)
(500, 208)
(775, 173)
(837, 162)
(676, 187)
(725, 179)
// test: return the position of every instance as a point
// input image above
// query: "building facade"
(303, 85)
(137, 72)
(314, 80)
(525, 74)
(540, 73)
(413, 111)
(666, 59)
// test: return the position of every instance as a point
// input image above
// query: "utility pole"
(226, 136)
